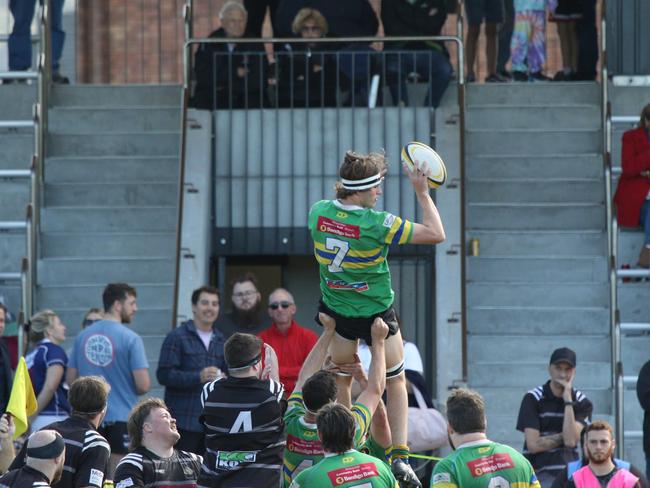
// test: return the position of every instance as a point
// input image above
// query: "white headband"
(364, 184)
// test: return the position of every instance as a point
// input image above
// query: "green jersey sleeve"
(362, 418)
(393, 229)
(443, 475)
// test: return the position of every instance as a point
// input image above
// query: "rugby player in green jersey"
(315, 389)
(351, 242)
(477, 462)
(343, 466)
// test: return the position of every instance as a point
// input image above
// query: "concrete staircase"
(633, 296)
(17, 146)
(109, 215)
(535, 198)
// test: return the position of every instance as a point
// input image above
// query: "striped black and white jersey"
(142, 468)
(24, 477)
(86, 454)
(242, 418)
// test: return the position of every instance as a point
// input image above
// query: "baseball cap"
(563, 355)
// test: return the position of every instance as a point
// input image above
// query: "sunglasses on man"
(276, 305)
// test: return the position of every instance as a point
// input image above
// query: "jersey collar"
(474, 443)
(343, 206)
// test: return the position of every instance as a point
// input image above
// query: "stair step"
(537, 269)
(147, 320)
(114, 144)
(547, 190)
(591, 374)
(532, 141)
(111, 169)
(634, 351)
(88, 120)
(545, 117)
(17, 101)
(14, 197)
(493, 348)
(83, 296)
(564, 165)
(555, 295)
(109, 270)
(629, 246)
(538, 216)
(13, 248)
(513, 94)
(540, 243)
(17, 150)
(115, 95)
(120, 219)
(634, 301)
(537, 321)
(99, 244)
(111, 194)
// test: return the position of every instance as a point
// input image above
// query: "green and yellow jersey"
(351, 246)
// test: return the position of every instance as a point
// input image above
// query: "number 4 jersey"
(351, 246)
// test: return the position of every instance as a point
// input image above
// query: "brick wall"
(140, 41)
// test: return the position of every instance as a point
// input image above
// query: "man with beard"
(88, 453)
(44, 465)
(191, 356)
(109, 349)
(247, 315)
(154, 461)
(477, 462)
(598, 446)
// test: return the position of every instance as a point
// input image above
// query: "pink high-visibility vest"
(585, 478)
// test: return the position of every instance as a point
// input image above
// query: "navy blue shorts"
(478, 11)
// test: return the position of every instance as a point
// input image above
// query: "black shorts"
(353, 328)
(117, 436)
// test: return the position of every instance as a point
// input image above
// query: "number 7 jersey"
(351, 247)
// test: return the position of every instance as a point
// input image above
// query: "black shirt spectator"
(643, 394)
(86, 454)
(542, 410)
(6, 377)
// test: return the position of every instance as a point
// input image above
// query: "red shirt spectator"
(290, 341)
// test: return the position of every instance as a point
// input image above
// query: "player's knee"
(395, 372)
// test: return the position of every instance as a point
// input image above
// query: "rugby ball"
(417, 154)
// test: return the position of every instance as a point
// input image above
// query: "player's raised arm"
(371, 396)
(316, 356)
(430, 231)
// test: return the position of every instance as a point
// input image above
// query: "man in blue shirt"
(191, 356)
(109, 349)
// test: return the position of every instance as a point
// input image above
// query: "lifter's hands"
(7, 427)
(271, 366)
(329, 324)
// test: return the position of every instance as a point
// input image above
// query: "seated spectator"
(336, 430)
(153, 460)
(47, 363)
(416, 60)
(306, 73)
(92, 315)
(247, 314)
(598, 454)
(192, 355)
(290, 341)
(632, 196)
(242, 418)
(348, 18)
(230, 75)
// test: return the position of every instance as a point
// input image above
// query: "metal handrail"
(187, 62)
(16, 124)
(635, 327)
(18, 75)
(15, 174)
